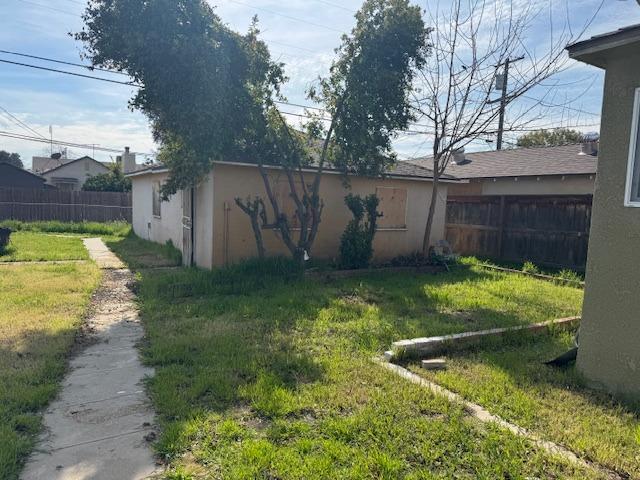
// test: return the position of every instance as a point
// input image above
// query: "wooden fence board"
(31, 205)
(547, 230)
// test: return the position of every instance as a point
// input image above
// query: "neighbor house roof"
(22, 171)
(522, 162)
(400, 170)
(596, 49)
(46, 172)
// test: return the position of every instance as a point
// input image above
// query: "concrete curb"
(433, 346)
(483, 415)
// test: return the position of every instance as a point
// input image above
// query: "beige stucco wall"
(80, 170)
(609, 353)
(545, 185)
(232, 181)
(157, 229)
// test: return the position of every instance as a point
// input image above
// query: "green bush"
(530, 267)
(569, 275)
(356, 243)
(118, 229)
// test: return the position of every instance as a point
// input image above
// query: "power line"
(49, 8)
(84, 146)
(283, 15)
(21, 123)
(63, 62)
(129, 84)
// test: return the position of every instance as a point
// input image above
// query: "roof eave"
(593, 51)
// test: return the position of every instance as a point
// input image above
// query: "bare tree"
(474, 42)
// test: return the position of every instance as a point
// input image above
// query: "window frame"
(633, 163)
(155, 192)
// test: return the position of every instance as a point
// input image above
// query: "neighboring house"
(66, 174)
(211, 230)
(564, 170)
(15, 177)
(609, 343)
(523, 204)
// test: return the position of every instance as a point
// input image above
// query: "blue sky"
(301, 33)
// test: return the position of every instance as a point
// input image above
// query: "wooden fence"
(32, 205)
(547, 230)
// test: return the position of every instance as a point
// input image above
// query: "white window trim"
(633, 144)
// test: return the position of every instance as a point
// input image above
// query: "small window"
(392, 207)
(632, 193)
(156, 199)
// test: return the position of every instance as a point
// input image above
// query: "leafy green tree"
(549, 138)
(11, 158)
(209, 93)
(113, 181)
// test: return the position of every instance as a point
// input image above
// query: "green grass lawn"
(94, 229)
(41, 308)
(270, 376)
(138, 253)
(32, 246)
(512, 382)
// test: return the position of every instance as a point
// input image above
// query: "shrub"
(569, 275)
(356, 243)
(530, 267)
(417, 259)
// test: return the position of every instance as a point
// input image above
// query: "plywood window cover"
(632, 199)
(388, 223)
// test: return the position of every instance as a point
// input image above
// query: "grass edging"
(484, 416)
(431, 346)
(541, 276)
(331, 274)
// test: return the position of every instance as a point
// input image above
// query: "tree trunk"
(432, 210)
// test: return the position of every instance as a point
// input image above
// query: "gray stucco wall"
(609, 354)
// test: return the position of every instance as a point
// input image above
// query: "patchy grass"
(139, 253)
(117, 229)
(512, 382)
(41, 307)
(272, 377)
(29, 247)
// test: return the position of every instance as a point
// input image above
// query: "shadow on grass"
(255, 357)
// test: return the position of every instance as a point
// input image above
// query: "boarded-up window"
(156, 200)
(393, 207)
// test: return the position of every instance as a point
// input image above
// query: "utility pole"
(503, 98)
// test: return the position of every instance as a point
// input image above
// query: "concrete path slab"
(98, 426)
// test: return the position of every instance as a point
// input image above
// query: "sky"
(300, 33)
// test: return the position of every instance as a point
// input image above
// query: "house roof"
(22, 170)
(401, 170)
(522, 162)
(46, 172)
(595, 49)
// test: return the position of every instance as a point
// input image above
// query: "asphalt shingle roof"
(522, 162)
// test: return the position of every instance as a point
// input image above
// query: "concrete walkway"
(100, 425)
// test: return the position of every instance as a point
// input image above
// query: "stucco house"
(561, 170)
(210, 230)
(609, 350)
(67, 174)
